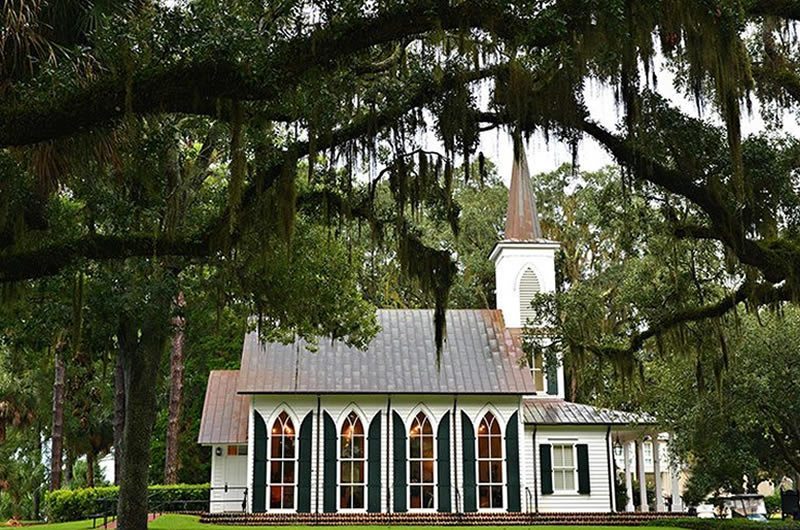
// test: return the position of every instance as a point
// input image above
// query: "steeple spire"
(522, 219)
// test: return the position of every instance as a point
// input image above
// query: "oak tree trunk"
(176, 366)
(142, 355)
(69, 467)
(119, 415)
(57, 432)
(90, 461)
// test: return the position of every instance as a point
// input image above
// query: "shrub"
(694, 523)
(71, 505)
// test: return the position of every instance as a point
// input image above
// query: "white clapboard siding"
(230, 470)
(599, 500)
(528, 287)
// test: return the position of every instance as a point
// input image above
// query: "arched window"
(421, 463)
(490, 463)
(528, 287)
(352, 463)
(282, 463)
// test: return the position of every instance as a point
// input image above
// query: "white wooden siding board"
(599, 498)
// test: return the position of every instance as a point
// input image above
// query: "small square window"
(233, 450)
(564, 467)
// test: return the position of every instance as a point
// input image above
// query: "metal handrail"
(108, 506)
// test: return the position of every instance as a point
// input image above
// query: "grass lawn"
(188, 522)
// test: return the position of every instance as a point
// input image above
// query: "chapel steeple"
(524, 264)
(522, 218)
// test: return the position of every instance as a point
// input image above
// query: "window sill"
(566, 494)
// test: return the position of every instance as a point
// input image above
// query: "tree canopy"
(141, 138)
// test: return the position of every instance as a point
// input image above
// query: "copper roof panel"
(560, 412)
(479, 357)
(225, 412)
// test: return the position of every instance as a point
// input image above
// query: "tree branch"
(779, 8)
(759, 294)
(197, 87)
(51, 259)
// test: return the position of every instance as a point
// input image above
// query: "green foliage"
(74, 504)
(724, 524)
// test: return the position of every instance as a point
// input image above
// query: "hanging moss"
(237, 166)
(435, 272)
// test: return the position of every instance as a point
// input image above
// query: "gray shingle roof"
(479, 357)
(560, 412)
(224, 411)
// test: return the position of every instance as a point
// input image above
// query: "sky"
(544, 156)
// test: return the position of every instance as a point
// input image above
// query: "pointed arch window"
(528, 287)
(421, 464)
(283, 458)
(352, 464)
(490, 463)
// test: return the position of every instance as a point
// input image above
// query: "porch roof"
(225, 412)
(544, 411)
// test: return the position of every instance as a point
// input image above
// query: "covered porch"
(641, 454)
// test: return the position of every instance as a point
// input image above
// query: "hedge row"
(71, 505)
(694, 523)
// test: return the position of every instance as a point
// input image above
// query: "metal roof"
(522, 219)
(224, 411)
(560, 412)
(480, 356)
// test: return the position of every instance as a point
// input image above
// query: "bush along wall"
(694, 523)
(72, 505)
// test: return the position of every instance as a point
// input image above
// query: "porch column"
(629, 507)
(657, 474)
(677, 502)
(675, 486)
(642, 481)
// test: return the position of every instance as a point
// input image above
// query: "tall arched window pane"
(352, 463)
(490, 463)
(421, 463)
(282, 463)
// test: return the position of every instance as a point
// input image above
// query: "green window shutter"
(374, 465)
(583, 468)
(468, 460)
(304, 465)
(512, 463)
(399, 442)
(329, 467)
(546, 466)
(443, 463)
(552, 378)
(259, 464)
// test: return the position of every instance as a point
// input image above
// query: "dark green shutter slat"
(399, 442)
(512, 464)
(304, 466)
(259, 463)
(329, 470)
(583, 468)
(552, 378)
(374, 465)
(468, 457)
(443, 463)
(546, 466)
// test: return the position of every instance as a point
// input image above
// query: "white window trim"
(574, 446)
(502, 459)
(409, 459)
(270, 460)
(340, 460)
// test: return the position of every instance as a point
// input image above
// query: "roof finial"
(522, 218)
